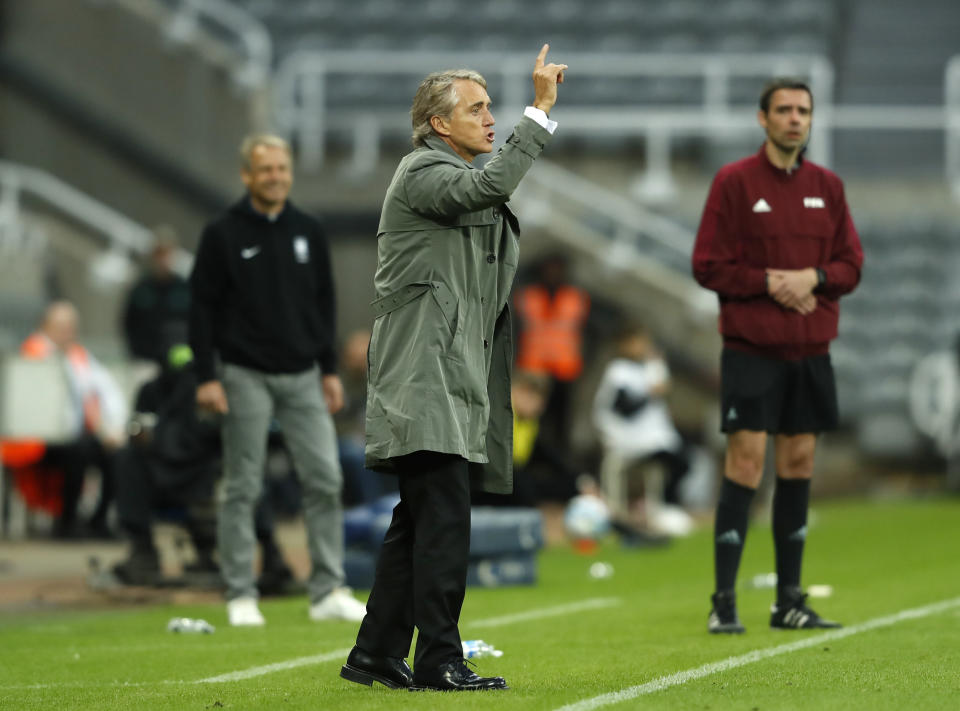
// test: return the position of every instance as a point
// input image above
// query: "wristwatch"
(821, 278)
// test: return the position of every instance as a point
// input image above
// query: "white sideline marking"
(252, 672)
(342, 653)
(278, 666)
(591, 604)
(665, 682)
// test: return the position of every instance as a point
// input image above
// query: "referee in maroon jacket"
(777, 244)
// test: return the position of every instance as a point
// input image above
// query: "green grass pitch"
(647, 622)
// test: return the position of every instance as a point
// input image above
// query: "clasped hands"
(793, 288)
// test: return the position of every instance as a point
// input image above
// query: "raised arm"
(438, 185)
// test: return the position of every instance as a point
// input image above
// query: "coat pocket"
(449, 306)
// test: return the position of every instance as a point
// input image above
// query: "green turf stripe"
(683, 677)
(276, 667)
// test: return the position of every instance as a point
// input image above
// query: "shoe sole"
(810, 627)
(421, 687)
(734, 630)
(366, 678)
(467, 688)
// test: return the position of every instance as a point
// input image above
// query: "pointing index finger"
(542, 56)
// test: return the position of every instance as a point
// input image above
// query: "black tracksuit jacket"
(262, 293)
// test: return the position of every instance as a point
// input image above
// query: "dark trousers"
(555, 423)
(73, 459)
(143, 489)
(676, 464)
(422, 571)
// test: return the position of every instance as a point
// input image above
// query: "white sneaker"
(340, 604)
(243, 612)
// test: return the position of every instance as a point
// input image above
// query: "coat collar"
(781, 172)
(438, 144)
(245, 207)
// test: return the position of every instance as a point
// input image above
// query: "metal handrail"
(557, 198)
(572, 188)
(117, 229)
(951, 120)
(249, 31)
(120, 233)
(302, 78)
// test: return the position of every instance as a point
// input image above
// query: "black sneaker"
(723, 617)
(791, 613)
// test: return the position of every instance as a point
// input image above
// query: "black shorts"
(777, 396)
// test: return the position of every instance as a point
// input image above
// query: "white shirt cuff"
(540, 116)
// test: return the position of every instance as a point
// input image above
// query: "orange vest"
(552, 330)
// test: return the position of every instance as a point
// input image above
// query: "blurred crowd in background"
(122, 114)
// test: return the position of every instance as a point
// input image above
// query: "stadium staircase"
(103, 95)
(923, 34)
(148, 121)
(906, 307)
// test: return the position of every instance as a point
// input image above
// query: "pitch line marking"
(665, 682)
(539, 613)
(276, 667)
(594, 603)
(253, 672)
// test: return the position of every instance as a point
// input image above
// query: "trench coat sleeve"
(438, 186)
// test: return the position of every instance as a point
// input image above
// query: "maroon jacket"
(757, 217)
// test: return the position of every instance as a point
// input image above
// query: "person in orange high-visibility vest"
(552, 315)
(95, 418)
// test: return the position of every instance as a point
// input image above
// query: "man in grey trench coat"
(438, 401)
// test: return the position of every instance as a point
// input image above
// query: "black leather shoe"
(363, 668)
(456, 676)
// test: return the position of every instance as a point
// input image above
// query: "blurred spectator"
(172, 460)
(262, 300)
(360, 485)
(171, 465)
(94, 421)
(635, 425)
(158, 306)
(552, 314)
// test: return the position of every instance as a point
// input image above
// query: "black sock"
(730, 532)
(791, 500)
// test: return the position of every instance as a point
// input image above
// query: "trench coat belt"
(398, 298)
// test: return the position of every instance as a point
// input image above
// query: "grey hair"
(437, 96)
(253, 141)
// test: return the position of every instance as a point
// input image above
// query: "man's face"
(469, 128)
(637, 347)
(161, 261)
(787, 122)
(61, 325)
(268, 177)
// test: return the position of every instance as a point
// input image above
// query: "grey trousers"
(298, 404)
